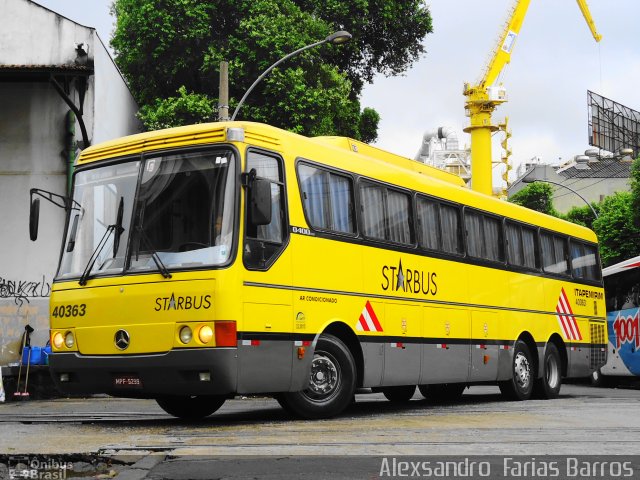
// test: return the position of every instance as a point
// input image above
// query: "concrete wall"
(32, 133)
(113, 104)
(33, 35)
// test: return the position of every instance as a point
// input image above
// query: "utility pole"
(223, 97)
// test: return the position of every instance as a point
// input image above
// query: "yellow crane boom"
(483, 98)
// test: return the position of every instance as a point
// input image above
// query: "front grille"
(598, 355)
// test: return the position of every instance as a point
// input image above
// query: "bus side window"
(385, 213)
(484, 236)
(327, 198)
(428, 220)
(554, 253)
(263, 243)
(521, 246)
(584, 261)
(450, 229)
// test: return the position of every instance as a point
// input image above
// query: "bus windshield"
(99, 191)
(184, 211)
(183, 215)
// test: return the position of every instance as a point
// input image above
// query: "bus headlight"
(58, 340)
(205, 334)
(69, 341)
(185, 334)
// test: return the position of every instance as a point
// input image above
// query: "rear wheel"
(332, 382)
(549, 385)
(602, 381)
(520, 386)
(399, 394)
(443, 392)
(191, 408)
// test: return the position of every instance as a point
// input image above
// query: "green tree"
(536, 196)
(635, 191)
(617, 234)
(582, 215)
(163, 45)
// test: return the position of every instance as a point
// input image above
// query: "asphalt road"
(583, 421)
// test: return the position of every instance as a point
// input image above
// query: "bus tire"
(601, 381)
(443, 392)
(520, 386)
(548, 386)
(191, 408)
(332, 382)
(401, 394)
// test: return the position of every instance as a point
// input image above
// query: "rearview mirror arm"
(58, 200)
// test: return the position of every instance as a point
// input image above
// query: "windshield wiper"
(96, 253)
(115, 227)
(154, 255)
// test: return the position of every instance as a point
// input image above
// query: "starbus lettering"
(399, 279)
(627, 329)
(187, 302)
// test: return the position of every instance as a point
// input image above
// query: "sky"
(554, 62)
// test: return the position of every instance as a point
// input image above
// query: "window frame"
(386, 188)
(536, 238)
(483, 214)
(284, 209)
(565, 238)
(329, 170)
(583, 245)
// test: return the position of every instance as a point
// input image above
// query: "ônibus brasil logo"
(627, 329)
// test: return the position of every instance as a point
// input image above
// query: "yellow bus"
(230, 258)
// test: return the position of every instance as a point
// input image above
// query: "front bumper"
(177, 372)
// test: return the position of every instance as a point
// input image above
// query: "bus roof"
(623, 266)
(363, 159)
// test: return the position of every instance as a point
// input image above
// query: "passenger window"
(450, 228)
(554, 253)
(521, 245)
(327, 198)
(584, 261)
(372, 201)
(428, 220)
(484, 236)
(385, 213)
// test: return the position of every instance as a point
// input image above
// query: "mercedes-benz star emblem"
(122, 339)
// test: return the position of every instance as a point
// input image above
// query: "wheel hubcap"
(325, 375)
(522, 370)
(553, 373)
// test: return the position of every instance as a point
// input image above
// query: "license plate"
(127, 381)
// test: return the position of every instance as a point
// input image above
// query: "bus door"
(265, 345)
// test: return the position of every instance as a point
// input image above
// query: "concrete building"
(60, 91)
(592, 177)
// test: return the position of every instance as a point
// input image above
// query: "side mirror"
(260, 202)
(34, 219)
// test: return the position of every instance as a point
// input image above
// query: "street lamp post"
(335, 38)
(533, 180)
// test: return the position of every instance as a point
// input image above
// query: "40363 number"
(62, 311)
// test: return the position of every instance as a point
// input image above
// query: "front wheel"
(520, 386)
(191, 408)
(549, 385)
(332, 382)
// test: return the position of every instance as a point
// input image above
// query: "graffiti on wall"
(22, 290)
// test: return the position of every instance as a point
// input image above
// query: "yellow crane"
(484, 97)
